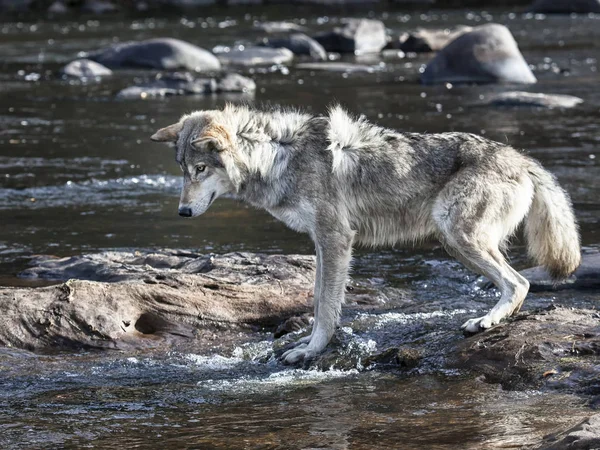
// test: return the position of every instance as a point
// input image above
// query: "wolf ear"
(215, 137)
(167, 134)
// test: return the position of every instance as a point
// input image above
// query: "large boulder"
(355, 36)
(85, 68)
(487, 54)
(565, 6)
(299, 44)
(159, 53)
(256, 56)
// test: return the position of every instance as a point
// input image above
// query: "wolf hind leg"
(475, 213)
(512, 285)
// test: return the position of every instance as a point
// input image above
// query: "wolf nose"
(185, 212)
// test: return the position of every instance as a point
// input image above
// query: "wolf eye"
(200, 168)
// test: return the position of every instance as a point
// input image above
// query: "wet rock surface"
(533, 99)
(256, 56)
(85, 68)
(186, 84)
(487, 54)
(357, 36)
(159, 53)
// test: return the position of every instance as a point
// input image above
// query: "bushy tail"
(550, 227)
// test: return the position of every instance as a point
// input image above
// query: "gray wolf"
(344, 180)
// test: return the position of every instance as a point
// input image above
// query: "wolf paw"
(477, 325)
(300, 353)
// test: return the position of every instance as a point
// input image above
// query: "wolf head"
(205, 147)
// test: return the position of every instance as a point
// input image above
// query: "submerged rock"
(519, 98)
(487, 54)
(355, 36)
(425, 40)
(299, 44)
(85, 68)
(122, 299)
(565, 6)
(256, 56)
(186, 84)
(160, 53)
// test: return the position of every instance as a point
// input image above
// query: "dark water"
(78, 174)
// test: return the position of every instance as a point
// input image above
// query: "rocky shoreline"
(161, 299)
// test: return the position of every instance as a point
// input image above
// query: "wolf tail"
(551, 230)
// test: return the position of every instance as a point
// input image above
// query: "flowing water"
(78, 174)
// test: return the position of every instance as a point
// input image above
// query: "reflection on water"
(78, 174)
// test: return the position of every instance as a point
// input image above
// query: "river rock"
(583, 436)
(159, 53)
(518, 98)
(340, 67)
(565, 6)
(558, 348)
(299, 44)
(280, 27)
(425, 40)
(98, 7)
(355, 36)
(186, 84)
(120, 299)
(587, 276)
(85, 68)
(487, 54)
(256, 56)
(58, 7)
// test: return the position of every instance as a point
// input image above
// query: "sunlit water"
(78, 174)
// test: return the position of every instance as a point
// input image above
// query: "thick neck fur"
(264, 143)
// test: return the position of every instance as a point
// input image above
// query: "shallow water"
(78, 174)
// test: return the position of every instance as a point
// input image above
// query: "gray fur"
(344, 180)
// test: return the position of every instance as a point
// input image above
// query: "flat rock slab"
(565, 6)
(122, 299)
(532, 99)
(186, 84)
(160, 53)
(85, 68)
(487, 54)
(256, 56)
(358, 36)
(340, 67)
(299, 44)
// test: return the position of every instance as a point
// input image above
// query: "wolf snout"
(185, 211)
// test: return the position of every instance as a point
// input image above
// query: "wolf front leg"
(334, 251)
